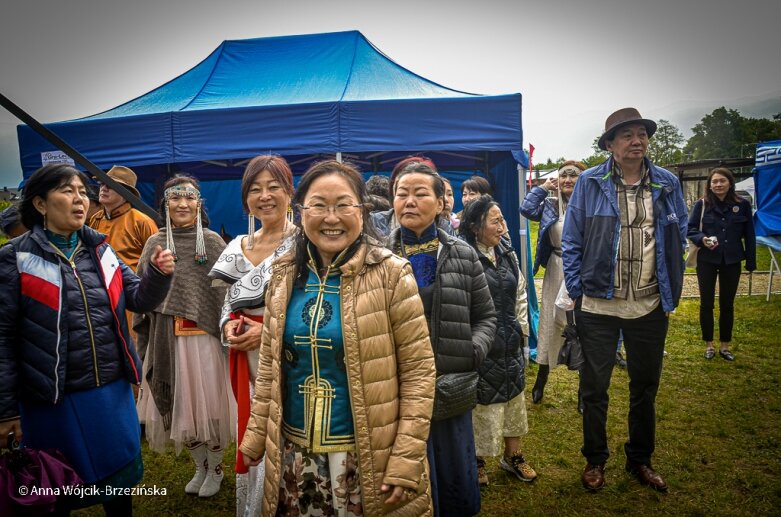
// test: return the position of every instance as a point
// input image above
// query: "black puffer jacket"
(462, 322)
(501, 374)
(62, 323)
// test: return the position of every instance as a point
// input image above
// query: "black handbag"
(571, 352)
(455, 394)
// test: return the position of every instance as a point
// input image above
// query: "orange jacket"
(127, 230)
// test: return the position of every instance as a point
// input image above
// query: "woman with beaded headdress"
(245, 266)
(549, 211)
(186, 397)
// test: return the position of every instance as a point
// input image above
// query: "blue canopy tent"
(301, 97)
(304, 97)
(767, 218)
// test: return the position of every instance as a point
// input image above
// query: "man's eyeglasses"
(319, 210)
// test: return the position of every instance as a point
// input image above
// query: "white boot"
(211, 484)
(198, 452)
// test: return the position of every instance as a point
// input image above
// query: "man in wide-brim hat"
(126, 228)
(622, 249)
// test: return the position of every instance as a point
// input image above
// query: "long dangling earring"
(290, 213)
(44, 222)
(200, 244)
(250, 231)
(169, 232)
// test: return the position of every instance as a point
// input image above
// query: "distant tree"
(597, 157)
(727, 134)
(719, 134)
(759, 130)
(666, 144)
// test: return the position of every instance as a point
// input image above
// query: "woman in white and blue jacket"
(66, 356)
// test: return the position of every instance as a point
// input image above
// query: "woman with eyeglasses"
(462, 324)
(549, 211)
(344, 389)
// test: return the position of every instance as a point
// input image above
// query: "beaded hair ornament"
(189, 192)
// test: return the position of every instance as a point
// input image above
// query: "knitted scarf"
(191, 296)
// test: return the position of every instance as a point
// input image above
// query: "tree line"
(723, 133)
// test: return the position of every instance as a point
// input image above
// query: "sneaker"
(482, 475)
(517, 466)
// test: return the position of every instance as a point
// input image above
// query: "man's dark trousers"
(644, 339)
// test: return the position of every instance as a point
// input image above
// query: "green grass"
(718, 437)
(3, 206)
(718, 432)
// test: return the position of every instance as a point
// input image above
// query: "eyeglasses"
(319, 210)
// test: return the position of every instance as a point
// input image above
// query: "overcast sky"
(574, 61)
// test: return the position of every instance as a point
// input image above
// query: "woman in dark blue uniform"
(721, 225)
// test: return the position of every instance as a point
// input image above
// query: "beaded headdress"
(191, 193)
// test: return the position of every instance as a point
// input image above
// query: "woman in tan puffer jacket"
(345, 384)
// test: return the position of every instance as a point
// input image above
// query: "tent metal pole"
(79, 158)
(523, 224)
(339, 156)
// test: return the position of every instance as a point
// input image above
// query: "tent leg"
(339, 156)
(774, 268)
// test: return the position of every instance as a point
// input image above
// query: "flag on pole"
(531, 152)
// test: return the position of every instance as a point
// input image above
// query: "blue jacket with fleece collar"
(592, 234)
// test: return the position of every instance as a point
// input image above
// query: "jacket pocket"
(597, 264)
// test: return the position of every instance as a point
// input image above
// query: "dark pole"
(79, 158)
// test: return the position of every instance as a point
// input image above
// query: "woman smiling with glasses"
(346, 378)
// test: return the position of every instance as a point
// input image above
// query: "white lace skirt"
(204, 408)
(552, 319)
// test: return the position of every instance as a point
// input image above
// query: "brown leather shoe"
(593, 477)
(647, 476)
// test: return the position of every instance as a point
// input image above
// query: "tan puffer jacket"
(391, 374)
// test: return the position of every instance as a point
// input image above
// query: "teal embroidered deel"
(317, 409)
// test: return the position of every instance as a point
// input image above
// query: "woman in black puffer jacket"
(461, 321)
(501, 409)
(66, 357)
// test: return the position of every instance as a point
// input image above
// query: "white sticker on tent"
(56, 157)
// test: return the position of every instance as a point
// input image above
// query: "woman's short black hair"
(477, 184)
(43, 181)
(474, 216)
(183, 179)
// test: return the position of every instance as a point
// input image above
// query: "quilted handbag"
(455, 394)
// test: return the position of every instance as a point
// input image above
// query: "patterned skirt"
(319, 484)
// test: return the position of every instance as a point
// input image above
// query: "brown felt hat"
(621, 118)
(125, 176)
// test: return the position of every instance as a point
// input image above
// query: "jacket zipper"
(86, 311)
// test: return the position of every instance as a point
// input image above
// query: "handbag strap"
(702, 212)
(571, 317)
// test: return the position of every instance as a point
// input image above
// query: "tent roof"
(291, 95)
(340, 66)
